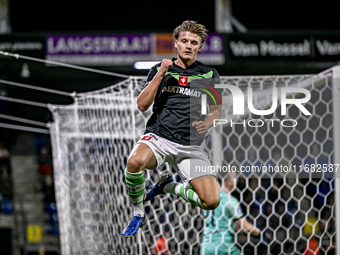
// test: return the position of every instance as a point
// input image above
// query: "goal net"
(283, 186)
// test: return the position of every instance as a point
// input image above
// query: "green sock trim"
(137, 203)
(136, 194)
(199, 202)
(135, 181)
(175, 188)
(182, 192)
(135, 184)
(191, 196)
(133, 176)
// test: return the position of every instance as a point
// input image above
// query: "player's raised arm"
(147, 96)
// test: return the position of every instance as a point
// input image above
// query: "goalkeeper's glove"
(266, 236)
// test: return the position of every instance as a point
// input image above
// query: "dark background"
(165, 15)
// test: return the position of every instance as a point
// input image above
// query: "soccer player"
(176, 129)
(221, 224)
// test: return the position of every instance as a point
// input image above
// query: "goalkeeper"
(176, 129)
(221, 223)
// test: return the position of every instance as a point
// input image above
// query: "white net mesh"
(93, 137)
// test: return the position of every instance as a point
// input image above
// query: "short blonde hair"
(193, 27)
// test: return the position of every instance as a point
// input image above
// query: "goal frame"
(218, 157)
(336, 135)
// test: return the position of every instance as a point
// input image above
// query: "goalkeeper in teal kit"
(223, 222)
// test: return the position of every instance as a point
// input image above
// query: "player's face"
(188, 45)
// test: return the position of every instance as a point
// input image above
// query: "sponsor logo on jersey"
(146, 138)
(183, 91)
(183, 80)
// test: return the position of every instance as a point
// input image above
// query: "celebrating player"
(175, 131)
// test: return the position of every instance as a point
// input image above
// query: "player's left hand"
(200, 126)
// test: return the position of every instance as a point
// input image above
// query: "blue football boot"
(158, 188)
(136, 223)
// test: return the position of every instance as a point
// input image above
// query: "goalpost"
(92, 138)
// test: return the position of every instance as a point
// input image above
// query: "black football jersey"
(178, 102)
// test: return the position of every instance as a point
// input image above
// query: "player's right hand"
(166, 64)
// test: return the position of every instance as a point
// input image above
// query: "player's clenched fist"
(166, 64)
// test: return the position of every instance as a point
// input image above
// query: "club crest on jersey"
(183, 80)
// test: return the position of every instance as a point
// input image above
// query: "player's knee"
(211, 203)
(135, 164)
